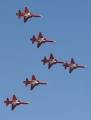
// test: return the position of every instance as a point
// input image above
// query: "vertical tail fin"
(18, 14)
(26, 83)
(33, 39)
(65, 65)
(7, 101)
(44, 60)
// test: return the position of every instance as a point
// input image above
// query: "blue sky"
(67, 96)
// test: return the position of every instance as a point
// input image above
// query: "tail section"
(44, 61)
(33, 40)
(26, 82)
(7, 101)
(18, 14)
(65, 65)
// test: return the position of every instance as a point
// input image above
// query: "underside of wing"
(25, 20)
(51, 56)
(14, 97)
(32, 87)
(71, 69)
(26, 10)
(49, 65)
(40, 35)
(13, 107)
(33, 77)
(72, 61)
(38, 44)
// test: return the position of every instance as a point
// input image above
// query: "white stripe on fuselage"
(52, 61)
(73, 66)
(34, 83)
(27, 15)
(41, 40)
(15, 103)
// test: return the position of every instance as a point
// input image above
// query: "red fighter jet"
(40, 40)
(26, 14)
(51, 61)
(72, 65)
(14, 102)
(33, 82)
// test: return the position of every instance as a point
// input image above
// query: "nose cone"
(47, 83)
(28, 102)
(41, 16)
(37, 15)
(54, 41)
(85, 66)
(30, 38)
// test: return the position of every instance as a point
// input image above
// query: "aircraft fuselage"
(52, 61)
(41, 40)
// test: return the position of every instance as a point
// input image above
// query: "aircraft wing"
(32, 87)
(51, 56)
(72, 61)
(40, 35)
(49, 65)
(71, 69)
(25, 20)
(33, 77)
(13, 107)
(38, 44)
(26, 10)
(14, 97)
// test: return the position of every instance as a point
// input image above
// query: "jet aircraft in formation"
(40, 40)
(72, 65)
(51, 61)
(26, 14)
(14, 102)
(33, 82)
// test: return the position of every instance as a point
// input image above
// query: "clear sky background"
(67, 96)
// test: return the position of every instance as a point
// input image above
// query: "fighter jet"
(40, 40)
(72, 65)
(14, 102)
(33, 82)
(27, 14)
(51, 61)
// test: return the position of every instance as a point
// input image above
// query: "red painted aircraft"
(26, 14)
(33, 82)
(40, 40)
(72, 65)
(51, 61)
(14, 102)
